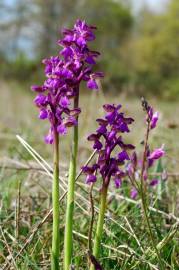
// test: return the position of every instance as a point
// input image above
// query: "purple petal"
(43, 114)
(98, 75)
(111, 135)
(154, 182)
(150, 113)
(134, 159)
(90, 60)
(118, 182)
(97, 145)
(64, 102)
(154, 120)
(67, 52)
(40, 100)
(91, 84)
(102, 121)
(88, 170)
(130, 169)
(37, 88)
(75, 112)
(123, 127)
(109, 107)
(93, 137)
(133, 193)
(81, 41)
(49, 138)
(62, 129)
(71, 121)
(145, 175)
(157, 153)
(102, 129)
(123, 156)
(91, 178)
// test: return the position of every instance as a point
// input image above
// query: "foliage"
(21, 68)
(114, 22)
(156, 58)
(140, 51)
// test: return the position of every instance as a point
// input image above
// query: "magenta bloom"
(64, 73)
(133, 193)
(154, 120)
(118, 182)
(154, 182)
(152, 117)
(156, 154)
(107, 139)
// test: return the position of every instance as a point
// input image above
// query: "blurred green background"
(138, 41)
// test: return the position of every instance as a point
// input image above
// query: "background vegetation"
(139, 48)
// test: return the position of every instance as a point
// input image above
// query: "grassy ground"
(25, 196)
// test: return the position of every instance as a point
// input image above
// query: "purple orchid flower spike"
(107, 138)
(138, 167)
(64, 74)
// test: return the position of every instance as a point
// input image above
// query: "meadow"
(25, 188)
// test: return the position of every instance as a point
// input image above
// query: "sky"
(154, 4)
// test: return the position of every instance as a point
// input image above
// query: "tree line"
(139, 52)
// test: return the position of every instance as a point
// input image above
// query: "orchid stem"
(91, 221)
(55, 199)
(68, 241)
(100, 223)
(143, 199)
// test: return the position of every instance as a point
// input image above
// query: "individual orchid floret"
(151, 117)
(157, 154)
(154, 120)
(106, 139)
(154, 182)
(133, 193)
(64, 73)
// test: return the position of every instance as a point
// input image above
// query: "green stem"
(100, 223)
(55, 199)
(68, 241)
(145, 208)
(143, 198)
(91, 221)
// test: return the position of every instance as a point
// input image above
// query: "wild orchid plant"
(64, 73)
(138, 170)
(116, 161)
(109, 165)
